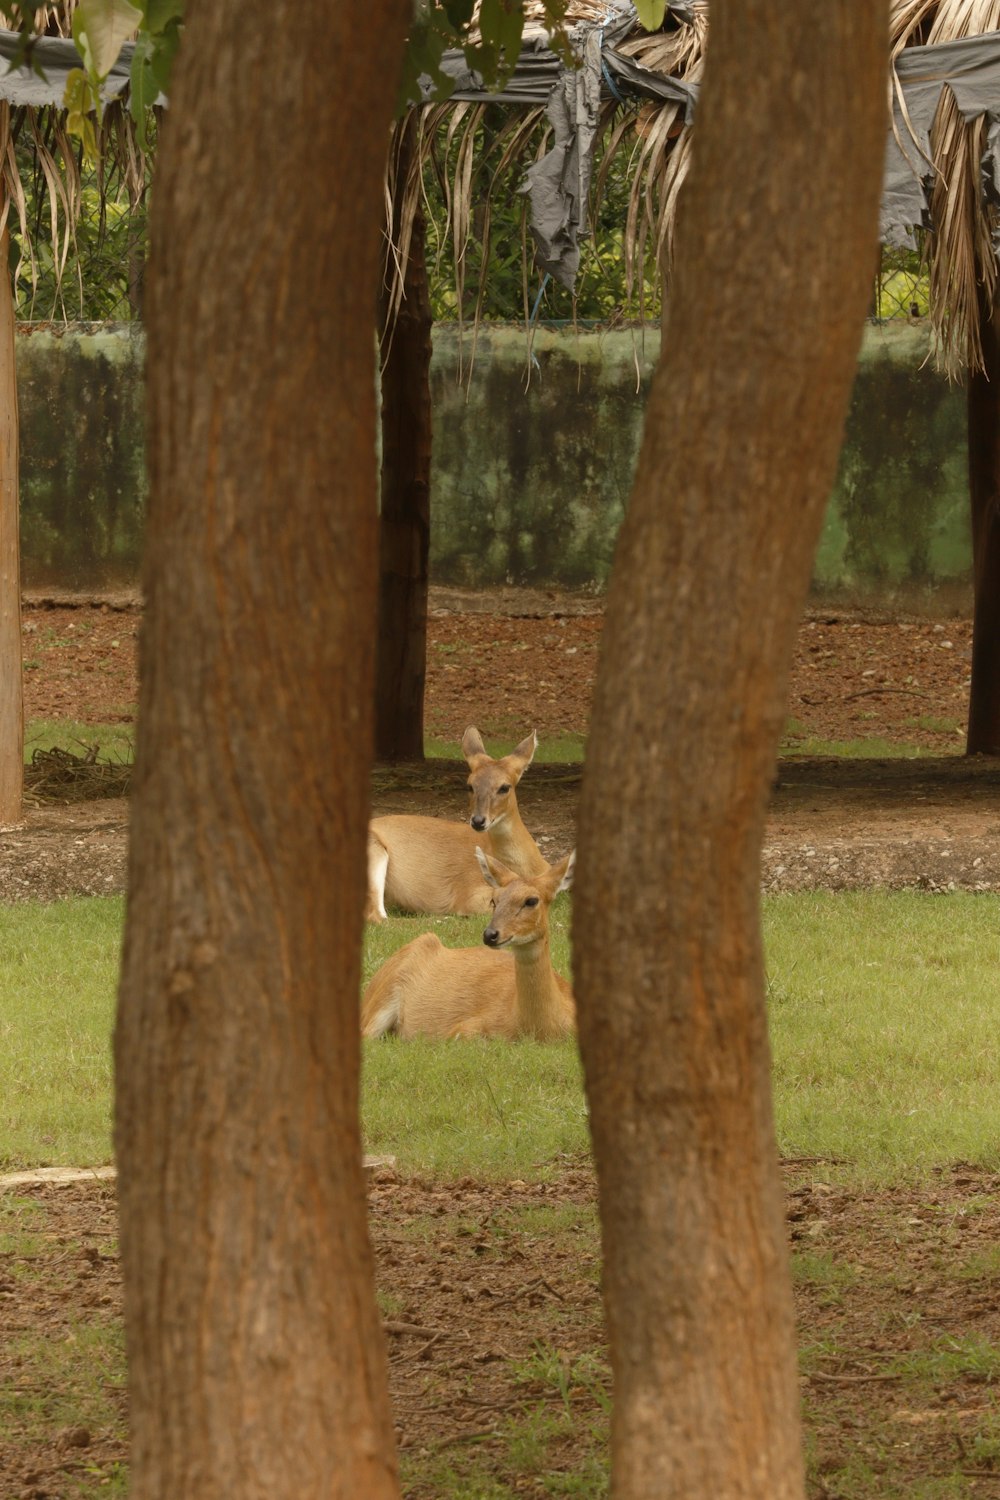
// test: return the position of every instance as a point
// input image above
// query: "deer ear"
(472, 744)
(565, 869)
(520, 758)
(494, 873)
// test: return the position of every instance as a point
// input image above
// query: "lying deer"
(428, 990)
(429, 864)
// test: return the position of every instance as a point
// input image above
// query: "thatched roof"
(637, 95)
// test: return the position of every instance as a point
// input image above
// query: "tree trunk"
(256, 1358)
(405, 524)
(984, 493)
(11, 676)
(775, 243)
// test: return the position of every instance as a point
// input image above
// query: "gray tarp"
(970, 67)
(558, 184)
(22, 86)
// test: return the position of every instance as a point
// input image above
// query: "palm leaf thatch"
(958, 245)
(42, 167)
(474, 156)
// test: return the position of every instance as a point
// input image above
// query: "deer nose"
(491, 937)
(478, 821)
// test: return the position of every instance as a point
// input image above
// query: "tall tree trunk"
(11, 676)
(256, 1358)
(984, 493)
(405, 522)
(775, 244)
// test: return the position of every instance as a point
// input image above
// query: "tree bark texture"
(776, 238)
(11, 676)
(405, 519)
(984, 492)
(256, 1358)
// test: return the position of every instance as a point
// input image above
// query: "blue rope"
(606, 71)
(541, 292)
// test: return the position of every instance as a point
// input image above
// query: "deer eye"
(531, 900)
(503, 790)
(470, 786)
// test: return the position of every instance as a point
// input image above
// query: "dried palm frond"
(472, 164)
(54, 173)
(122, 171)
(459, 153)
(958, 248)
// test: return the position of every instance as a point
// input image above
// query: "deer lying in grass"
(429, 864)
(428, 990)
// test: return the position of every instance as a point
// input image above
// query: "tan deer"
(428, 990)
(429, 864)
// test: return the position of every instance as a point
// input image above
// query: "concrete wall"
(531, 476)
(83, 471)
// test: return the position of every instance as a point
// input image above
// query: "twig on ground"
(878, 691)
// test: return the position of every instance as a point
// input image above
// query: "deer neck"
(539, 1008)
(514, 846)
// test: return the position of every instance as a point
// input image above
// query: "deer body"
(428, 990)
(429, 864)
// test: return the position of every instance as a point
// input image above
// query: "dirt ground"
(496, 1323)
(512, 661)
(889, 1277)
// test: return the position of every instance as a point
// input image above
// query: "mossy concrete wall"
(533, 462)
(83, 466)
(531, 476)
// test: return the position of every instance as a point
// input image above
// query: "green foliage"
(651, 13)
(153, 59)
(498, 275)
(903, 286)
(441, 26)
(100, 28)
(102, 276)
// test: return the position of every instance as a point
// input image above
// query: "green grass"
(933, 724)
(59, 968)
(115, 741)
(873, 747)
(882, 1016)
(482, 1109)
(881, 1006)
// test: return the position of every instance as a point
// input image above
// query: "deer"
(429, 865)
(426, 989)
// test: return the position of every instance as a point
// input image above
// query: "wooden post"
(11, 687)
(984, 491)
(405, 522)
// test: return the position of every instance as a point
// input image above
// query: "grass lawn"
(115, 742)
(882, 1012)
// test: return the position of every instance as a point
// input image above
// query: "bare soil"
(476, 1296)
(484, 1299)
(515, 660)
